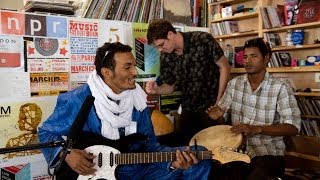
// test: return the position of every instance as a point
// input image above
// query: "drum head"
(217, 136)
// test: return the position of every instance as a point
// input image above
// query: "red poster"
(9, 59)
(12, 23)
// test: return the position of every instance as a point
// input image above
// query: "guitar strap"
(121, 132)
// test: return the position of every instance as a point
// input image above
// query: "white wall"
(12, 4)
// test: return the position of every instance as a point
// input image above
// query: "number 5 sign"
(111, 31)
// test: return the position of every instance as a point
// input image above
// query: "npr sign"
(16, 23)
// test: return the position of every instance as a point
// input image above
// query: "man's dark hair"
(262, 45)
(105, 55)
(159, 29)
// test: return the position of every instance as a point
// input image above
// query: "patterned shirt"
(195, 72)
(271, 103)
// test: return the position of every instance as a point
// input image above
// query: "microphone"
(75, 129)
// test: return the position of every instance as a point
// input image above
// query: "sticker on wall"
(46, 46)
(11, 52)
(48, 55)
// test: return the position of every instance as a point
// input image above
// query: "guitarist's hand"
(81, 162)
(185, 159)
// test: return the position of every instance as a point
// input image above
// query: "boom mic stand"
(32, 146)
(39, 146)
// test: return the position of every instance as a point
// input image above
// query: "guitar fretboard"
(152, 157)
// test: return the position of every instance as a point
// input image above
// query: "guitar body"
(132, 143)
(105, 169)
(108, 155)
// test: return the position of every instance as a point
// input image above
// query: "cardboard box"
(19, 172)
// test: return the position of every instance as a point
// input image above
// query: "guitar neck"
(152, 157)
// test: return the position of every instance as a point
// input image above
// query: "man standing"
(194, 63)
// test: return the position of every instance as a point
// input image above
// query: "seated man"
(119, 110)
(261, 107)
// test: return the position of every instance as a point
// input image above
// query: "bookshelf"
(247, 29)
(238, 17)
(306, 148)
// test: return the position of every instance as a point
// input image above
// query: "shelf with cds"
(232, 19)
(247, 15)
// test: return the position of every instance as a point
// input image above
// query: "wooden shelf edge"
(283, 69)
(311, 117)
(237, 17)
(284, 28)
(295, 69)
(236, 35)
(221, 2)
(237, 70)
(304, 156)
(305, 46)
(226, 1)
(311, 94)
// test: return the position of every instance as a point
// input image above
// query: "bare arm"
(216, 113)
(272, 130)
(153, 88)
(224, 75)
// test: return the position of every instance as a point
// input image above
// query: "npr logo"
(33, 25)
(5, 111)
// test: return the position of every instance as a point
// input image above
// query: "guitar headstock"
(224, 155)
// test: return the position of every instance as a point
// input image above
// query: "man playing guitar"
(119, 110)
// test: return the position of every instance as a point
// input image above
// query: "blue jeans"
(155, 171)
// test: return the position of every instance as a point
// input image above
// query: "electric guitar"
(108, 158)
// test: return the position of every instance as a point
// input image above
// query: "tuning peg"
(240, 151)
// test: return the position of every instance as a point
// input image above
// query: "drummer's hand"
(215, 112)
(185, 159)
(246, 129)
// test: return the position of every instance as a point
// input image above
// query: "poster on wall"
(19, 120)
(11, 53)
(84, 38)
(48, 84)
(111, 31)
(147, 56)
(48, 55)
